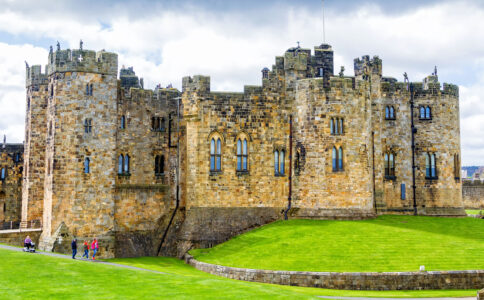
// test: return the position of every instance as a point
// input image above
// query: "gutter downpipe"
(289, 197)
(177, 202)
(414, 130)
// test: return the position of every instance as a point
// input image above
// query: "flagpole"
(324, 31)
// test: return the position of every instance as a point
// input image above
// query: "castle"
(161, 171)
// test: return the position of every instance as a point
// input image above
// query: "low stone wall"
(16, 237)
(473, 194)
(351, 281)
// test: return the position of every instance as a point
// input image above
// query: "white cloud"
(232, 48)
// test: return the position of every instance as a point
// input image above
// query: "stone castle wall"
(35, 142)
(137, 209)
(473, 195)
(11, 160)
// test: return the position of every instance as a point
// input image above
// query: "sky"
(233, 40)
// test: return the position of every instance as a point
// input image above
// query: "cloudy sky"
(233, 40)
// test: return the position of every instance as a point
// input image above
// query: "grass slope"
(33, 276)
(387, 243)
(474, 211)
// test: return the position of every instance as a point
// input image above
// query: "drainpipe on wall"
(373, 163)
(289, 197)
(177, 201)
(414, 130)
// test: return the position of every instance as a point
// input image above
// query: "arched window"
(90, 89)
(281, 164)
(389, 165)
(159, 165)
(336, 130)
(430, 166)
(276, 162)
(242, 155)
(392, 113)
(428, 114)
(123, 122)
(87, 89)
(392, 165)
(341, 126)
(433, 170)
(387, 171)
(422, 112)
(3, 174)
(126, 163)
(335, 159)
(162, 164)
(340, 159)
(219, 155)
(387, 112)
(87, 125)
(331, 125)
(120, 164)
(427, 165)
(87, 166)
(215, 154)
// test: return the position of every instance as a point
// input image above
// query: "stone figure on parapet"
(26, 64)
(4, 140)
(80, 45)
(50, 49)
(435, 71)
(342, 71)
(405, 77)
(58, 46)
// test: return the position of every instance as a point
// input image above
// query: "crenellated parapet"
(365, 66)
(34, 76)
(197, 83)
(79, 60)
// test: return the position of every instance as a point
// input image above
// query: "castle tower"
(35, 141)
(81, 144)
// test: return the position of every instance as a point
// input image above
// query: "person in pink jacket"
(94, 247)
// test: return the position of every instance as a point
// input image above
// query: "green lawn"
(387, 243)
(474, 211)
(34, 276)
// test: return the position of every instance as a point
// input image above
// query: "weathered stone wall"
(17, 237)
(316, 185)
(473, 195)
(433, 280)
(78, 203)
(35, 143)
(11, 159)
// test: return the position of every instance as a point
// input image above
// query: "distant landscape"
(471, 170)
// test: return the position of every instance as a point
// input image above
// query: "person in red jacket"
(94, 247)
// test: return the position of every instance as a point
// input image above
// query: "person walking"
(86, 250)
(74, 248)
(94, 247)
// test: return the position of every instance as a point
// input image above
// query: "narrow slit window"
(87, 165)
(422, 112)
(335, 159)
(340, 159)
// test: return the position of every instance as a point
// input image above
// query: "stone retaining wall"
(473, 194)
(473, 279)
(16, 237)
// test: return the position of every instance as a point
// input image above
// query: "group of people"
(94, 247)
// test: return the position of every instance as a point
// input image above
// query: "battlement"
(34, 76)
(366, 66)
(83, 61)
(197, 83)
(421, 89)
(297, 59)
